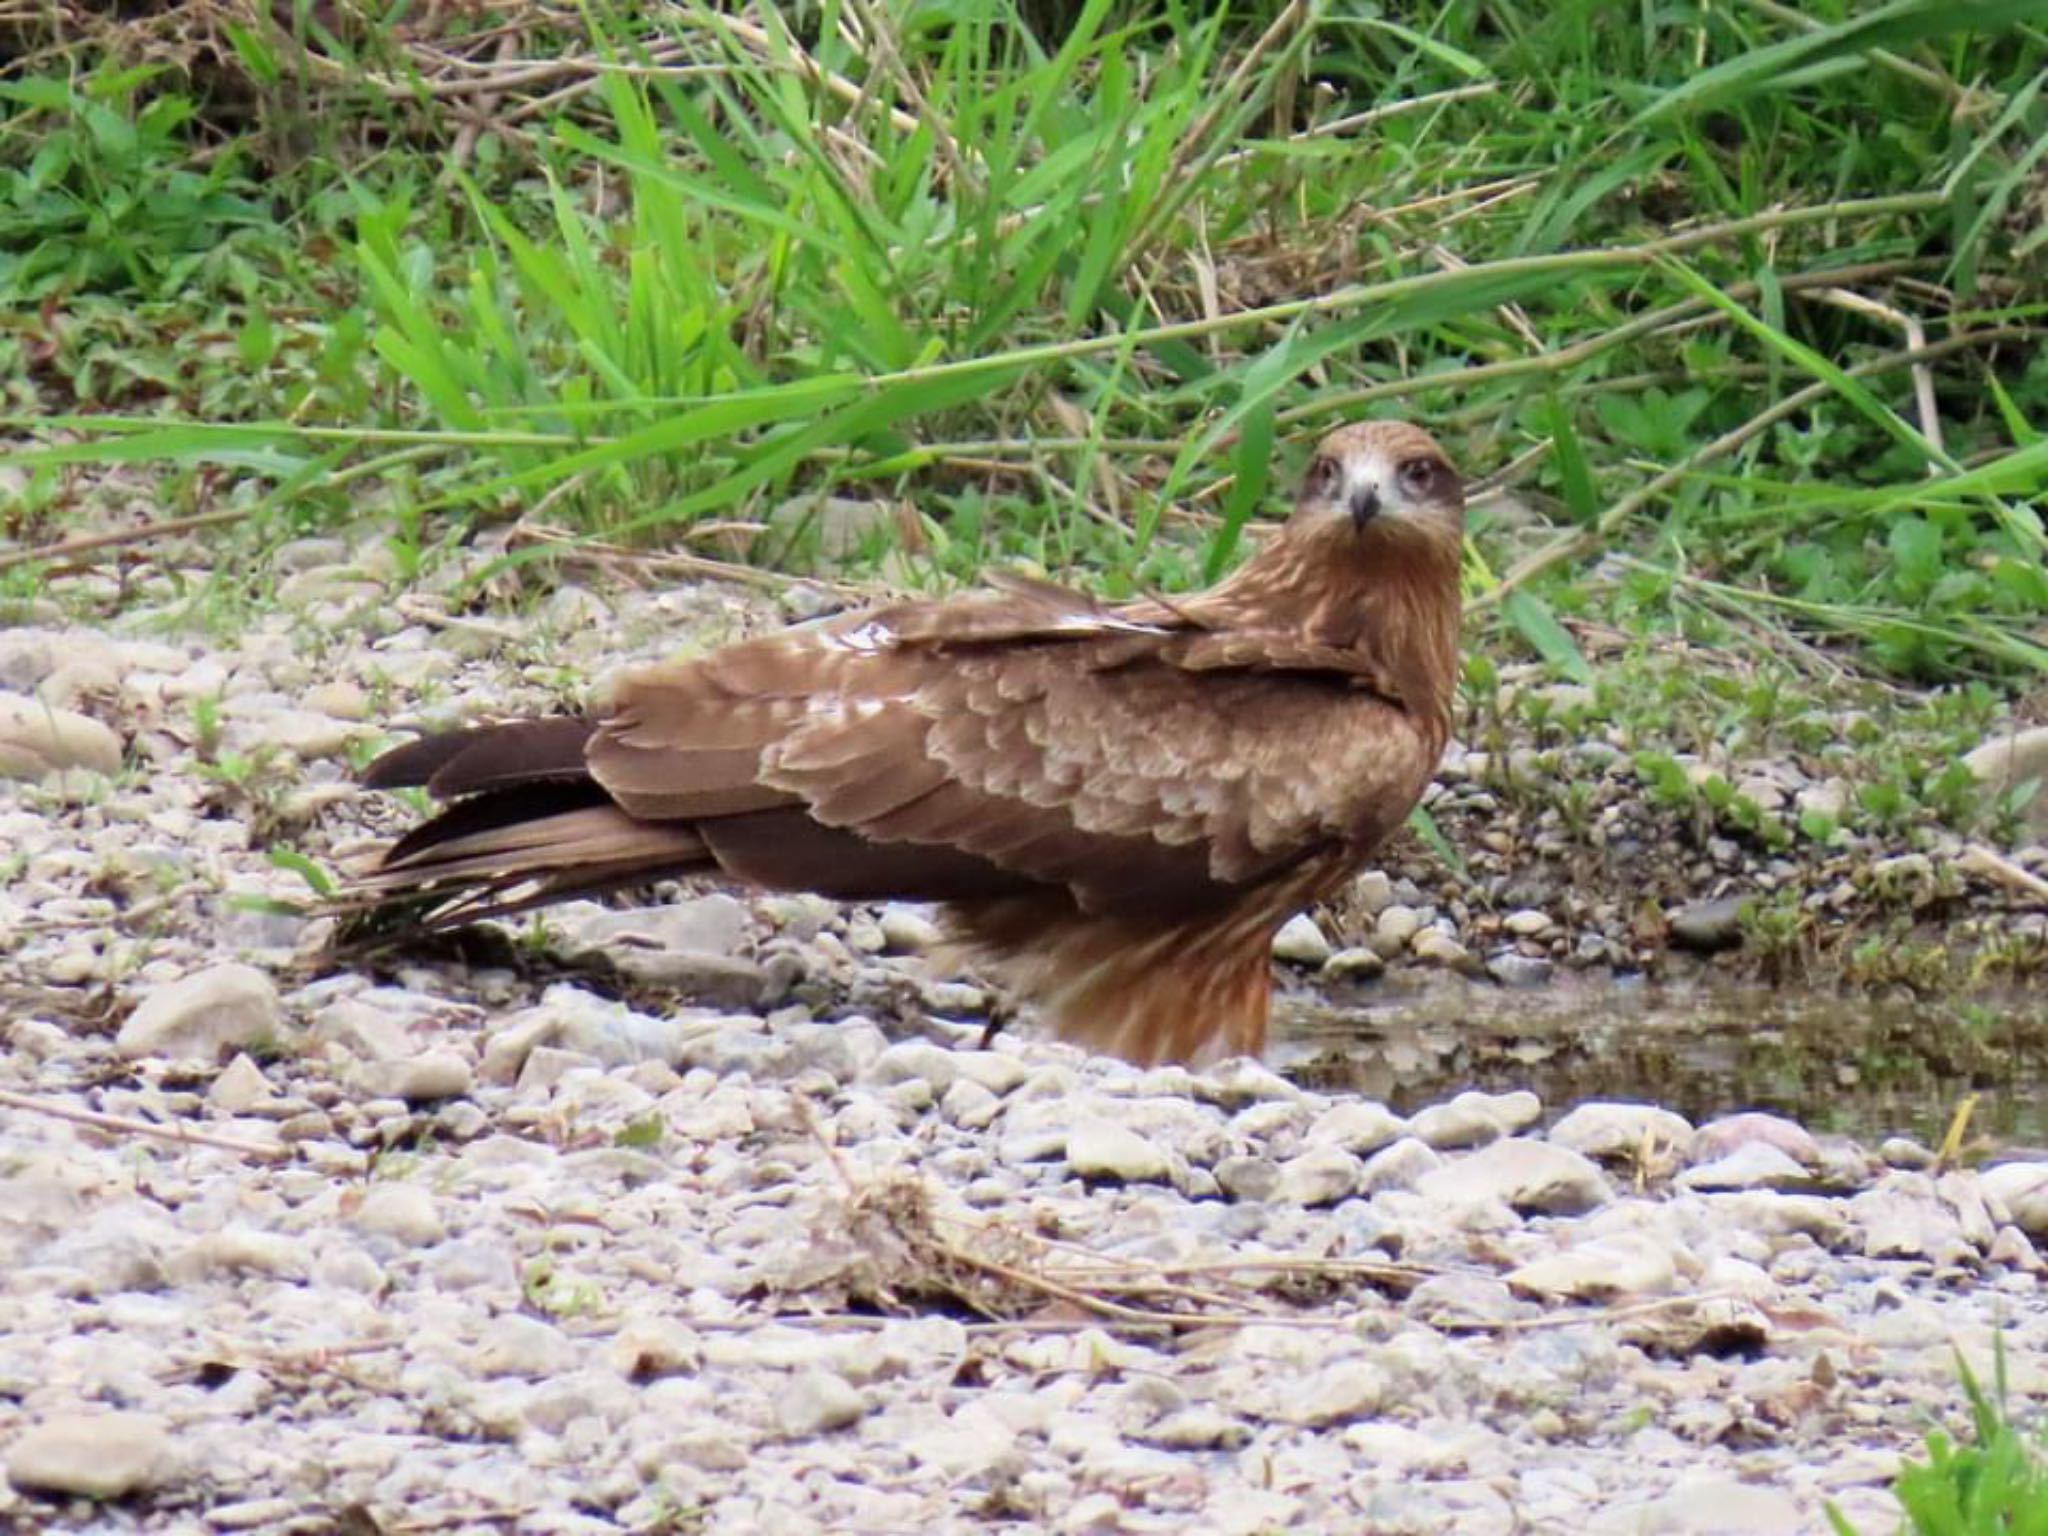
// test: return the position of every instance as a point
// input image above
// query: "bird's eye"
(1419, 477)
(1323, 477)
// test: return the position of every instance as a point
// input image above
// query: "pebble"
(417, 1079)
(1606, 1130)
(39, 740)
(817, 1402)
(1526, 1175)
(1513, 969)
(2022, 1188)
(1708, 927)
(1100, 1149)
(221, 1007)
(1473, 1118)
(1301, 941)
(402, 1211)
(1753, 1165)
(1718, 1138)
(93, 1455)
(1354, 963)
(1606, 1268)
(1320, 1176)
(1356, 1125)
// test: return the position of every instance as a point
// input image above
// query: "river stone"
(1356, 1125)
(1753, 1165)
(2022, 1188)
(1609, 1130)
(1101, 1149)
(405, 1212)
(1704, 1507)
(817, 1402)
(1706, 927)
(94, 1455)
(415, 1079)
(515, 1345)
(203, 1014)
(38, 740)
(2005, 762)
(1319, 1176)
(1717, 1138)
(1398, 1166)
(1354, 963)
(1350, 1389)
(1473, 1118)
(1530, 1176)
(1623, 1264)
(1301, 942)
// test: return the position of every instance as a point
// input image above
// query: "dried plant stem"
(123, 1125)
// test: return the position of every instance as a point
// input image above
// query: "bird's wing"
(1056, 740)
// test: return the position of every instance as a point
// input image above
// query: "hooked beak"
(1364, 504)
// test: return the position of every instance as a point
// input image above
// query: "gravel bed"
(746, 1231)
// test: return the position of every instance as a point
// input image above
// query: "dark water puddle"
(1866, 1068)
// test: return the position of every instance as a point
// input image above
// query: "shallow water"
(1865, 1067)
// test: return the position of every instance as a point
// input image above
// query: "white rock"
(1357, 1125)
(1524, 1174)
(1301, 942)
(1528, 923)
(1752, 1165)
(1600, 1129)
(406, 1212)
(907, 930)
(2022, 1188)
(514, 1345)
(38, 740)
(1473, 1118)
(2005, 762)
(1704, 1507)
(1622, 1264)
(1101, 1149)
(93, 1455)
(416, 1079)
(1340, 1393)
(1398, 1166)
(240, 1088)
(1319, 1176)
(817, 1402)
(205, 1013)
(1354, 963)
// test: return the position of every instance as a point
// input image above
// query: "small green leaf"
(1533, 619)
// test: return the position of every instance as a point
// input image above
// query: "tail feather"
(467, 762)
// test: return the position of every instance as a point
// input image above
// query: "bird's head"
(1379, 476)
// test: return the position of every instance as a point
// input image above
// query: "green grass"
(1745, 304)
(1993, 1484)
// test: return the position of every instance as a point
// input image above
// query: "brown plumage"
(1118, 805)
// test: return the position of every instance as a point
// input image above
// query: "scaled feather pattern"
(1117, 805)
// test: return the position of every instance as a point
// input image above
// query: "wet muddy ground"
(1861, 1066)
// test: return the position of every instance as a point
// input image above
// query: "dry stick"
(1923, 376)
(569, 547)
(64, 548)
(123, 1125)
(1977, 859)
(1584, 541)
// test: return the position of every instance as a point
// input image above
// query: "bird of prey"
(1118, 805)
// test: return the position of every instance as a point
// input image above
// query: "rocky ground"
(714, 1214)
